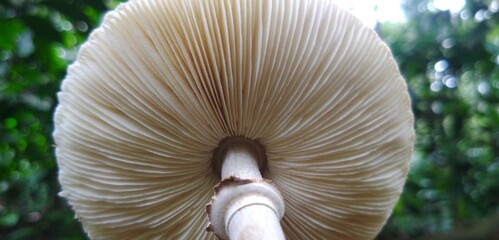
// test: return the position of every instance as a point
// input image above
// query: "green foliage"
(37, 41)
(450, 61)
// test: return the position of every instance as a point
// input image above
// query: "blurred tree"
(450, 60)
(37, 40)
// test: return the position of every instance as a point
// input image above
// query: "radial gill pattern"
(162, 82)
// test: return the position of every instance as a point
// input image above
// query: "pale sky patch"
(451, 5)
(371, 11)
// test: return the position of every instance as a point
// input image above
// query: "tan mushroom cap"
(161, 83)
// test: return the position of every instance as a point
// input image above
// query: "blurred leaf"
(42, 28)
(11, 29)
(8, 219)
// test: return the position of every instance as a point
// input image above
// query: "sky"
(389, 10)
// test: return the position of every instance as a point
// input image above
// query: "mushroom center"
(249, 146)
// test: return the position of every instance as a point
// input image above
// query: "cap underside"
(161, 83)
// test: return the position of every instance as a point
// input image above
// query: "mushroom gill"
(160, 84)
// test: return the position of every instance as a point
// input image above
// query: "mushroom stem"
(255, 222)
(245, 206)
(240, 162)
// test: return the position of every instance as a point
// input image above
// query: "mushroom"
(293, 109)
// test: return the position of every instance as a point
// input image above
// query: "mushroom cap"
(160, 84)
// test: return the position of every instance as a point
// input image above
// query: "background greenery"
(450, 60)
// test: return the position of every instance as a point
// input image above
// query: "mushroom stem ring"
(245, 205)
